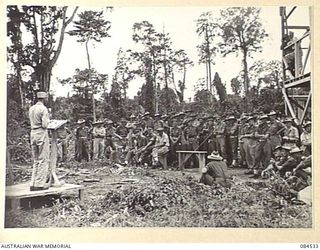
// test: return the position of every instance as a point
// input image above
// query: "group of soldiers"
(251, 141)
(261, 143)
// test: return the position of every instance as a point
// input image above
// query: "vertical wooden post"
(15, 204)
(296, 59)
(9, 168)
(53, 158)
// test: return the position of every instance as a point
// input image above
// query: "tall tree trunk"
(207, 76)
(43, 71)
(183, 82)
(150, 90)
(91, 84)
(208, 60)
(245, 71)
(155, 84)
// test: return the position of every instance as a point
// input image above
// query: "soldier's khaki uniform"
(276, 127)
(249, 144)
(39, 139)
(263, 148)
(242, 129)
(98, 142)
(221, 139)
(232, 143)
(82, 144)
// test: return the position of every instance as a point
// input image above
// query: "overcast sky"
(180, 23)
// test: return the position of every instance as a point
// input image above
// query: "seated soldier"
(213, 172)
(161, 146)
(281, 154)
(301, 176)
(291, 163)
(291, 134)
(146, 151)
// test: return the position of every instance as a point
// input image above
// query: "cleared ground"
(140, 197)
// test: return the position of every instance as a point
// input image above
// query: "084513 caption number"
(309, 246)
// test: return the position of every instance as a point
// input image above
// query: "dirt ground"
(140, 197)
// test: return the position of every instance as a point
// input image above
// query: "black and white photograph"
(159, 117)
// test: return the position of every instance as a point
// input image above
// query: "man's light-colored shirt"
(39, 116)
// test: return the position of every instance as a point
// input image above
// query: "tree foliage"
(266, 73)
(206, 30)
(220, 87)
(181, 63)
(123, 71)
(46, 26)
(236, 86)
(91, 26)
(241, 31)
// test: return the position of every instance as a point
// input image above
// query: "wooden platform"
(20, 191)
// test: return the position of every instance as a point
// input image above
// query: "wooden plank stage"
(20, 191)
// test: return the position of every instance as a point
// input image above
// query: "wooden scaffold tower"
(296, 87)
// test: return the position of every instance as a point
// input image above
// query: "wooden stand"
(183, 156)
(53, 159)
(20, 191)
(54, 126)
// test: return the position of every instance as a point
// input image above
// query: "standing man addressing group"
(39, 138)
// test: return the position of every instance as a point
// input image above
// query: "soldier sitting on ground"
(281, 154)
(214, 171)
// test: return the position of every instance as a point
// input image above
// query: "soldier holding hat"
(39, 139)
